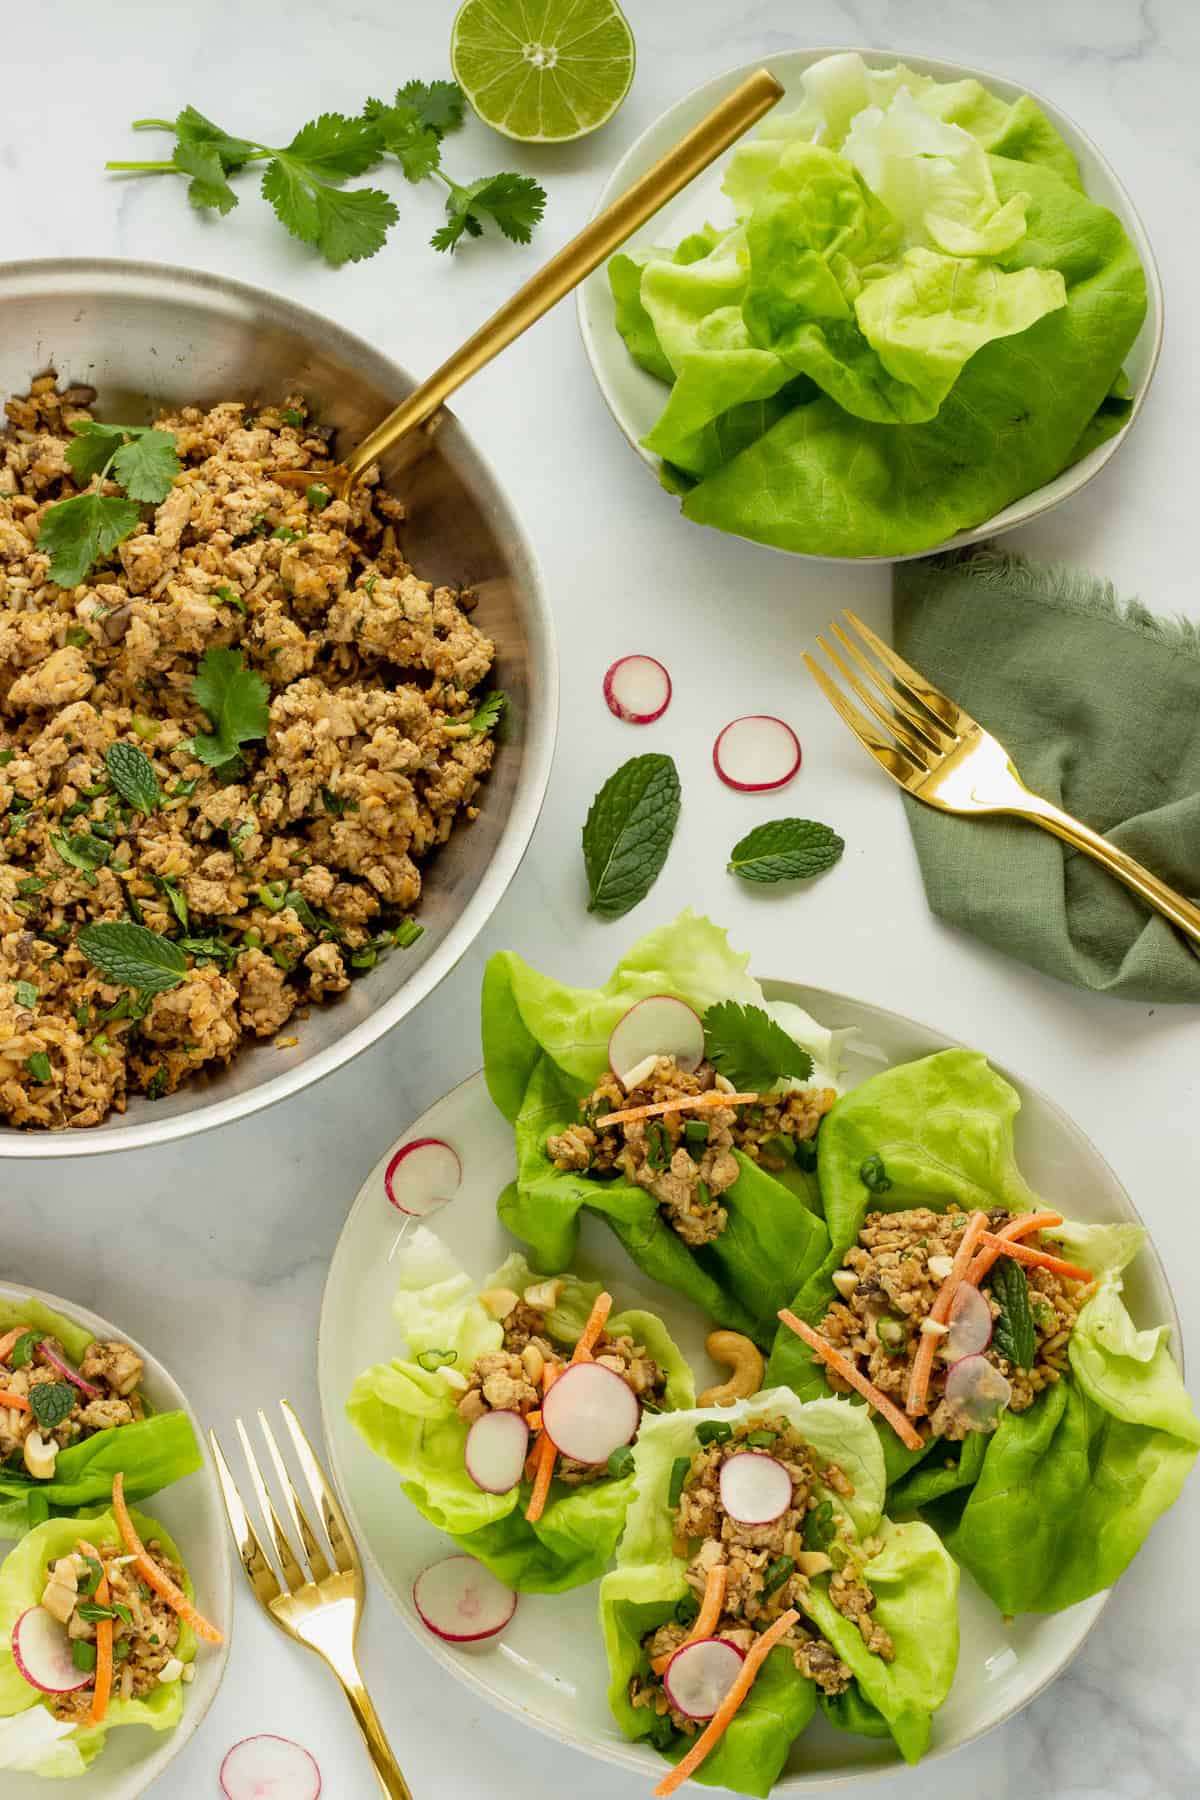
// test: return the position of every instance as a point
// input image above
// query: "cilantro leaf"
(76, 533)
(192, 128)
(785, 850)
(147, 465)
(628, 832)
(750, 1049)
(513, 202)
(403, 135)
(93, 448)
(208, 186)
(343, 226)
(235, 699)
(332, 147)
(133, 955)
(487, 715)
(440, 105)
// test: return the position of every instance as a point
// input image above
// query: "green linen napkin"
(1099, 703)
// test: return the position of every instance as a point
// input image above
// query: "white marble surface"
(232, 1236)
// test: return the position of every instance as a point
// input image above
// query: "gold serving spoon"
(606, 233)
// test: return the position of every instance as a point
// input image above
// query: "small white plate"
(134, 1758)
(636, 398)
(549, 1667)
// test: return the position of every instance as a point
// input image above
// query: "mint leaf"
(785, 850)
(133, 776)
(628, 833)
(133, 956)
(81, 850)
(487, 715)
(235, 699)
(750, 1049)
(51, 1403)
(1013, 1333)
(76, 533)
(147, 465)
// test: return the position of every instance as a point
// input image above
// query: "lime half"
(543, 71)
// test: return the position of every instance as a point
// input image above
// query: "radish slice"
(637, 688)
(66, 1371)
(970, 1324)
(590, 1412)
(42, 1652)
(755, 1488)
(657, 1026)
(270, 1768)
(495, 1451)
(977, 1392)
(422, 1176)
(757, 753)
(461, 1601)
(699, 1676)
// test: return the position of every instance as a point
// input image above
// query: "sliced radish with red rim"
(755, 1487)
(462, 1602)
(590, 1412)
(422, 1176)
(638, 689)
(970, 1324)
(977, 1392)
(699, 1676)
(658, 1026)
(495, 1451)
(270, 1768)
(756, 754)
(42, 1652)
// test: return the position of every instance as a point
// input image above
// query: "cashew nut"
(845, 1281)
(813, 1562)
(744, 1362)
(498, 1303)
(543, 1296)
(40, 1456)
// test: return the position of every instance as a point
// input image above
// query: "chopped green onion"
(621, 1461)
(26, 994)
(39, 1066)
(713, 1431)
(430, 1360)
(679, 1474)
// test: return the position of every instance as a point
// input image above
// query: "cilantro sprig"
(303, 180)
(235, 700)
(750, 1049)
(77, 533)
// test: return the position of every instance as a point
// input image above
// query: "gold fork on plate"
(319, 1599)
(941, 755)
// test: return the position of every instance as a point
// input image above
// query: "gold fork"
(316, 1604)
(940, 754)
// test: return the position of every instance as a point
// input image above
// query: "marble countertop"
(237, 1228)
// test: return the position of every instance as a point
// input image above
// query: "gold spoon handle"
(606, 233)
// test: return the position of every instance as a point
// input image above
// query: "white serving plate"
(636, 398)
(190, 1510)
(549, 1667)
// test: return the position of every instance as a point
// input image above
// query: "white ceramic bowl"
(635, 398)
(548, 1667)
(191, 1511)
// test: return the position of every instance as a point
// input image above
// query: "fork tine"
(304, 1531)
(940, 705)
(930, 730)
(259, 1573)
(293, 1575)
(920, 749)
(345, 1555)
(892, 757)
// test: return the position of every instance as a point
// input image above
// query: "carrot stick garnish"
(756, 1656)
(939, 1312)
(706, 1618)
(1036, 1259)
(1022, 1226)
(542, 1456)
(597, 1319)
(690, 1103)
(18, 1401)
(102, 1691)
(152, 1575)
(848, 1371)
(10, 1340)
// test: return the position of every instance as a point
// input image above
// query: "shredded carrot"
(690, 1103)
(848, 1371)
(1036, 1259)
(10, 1340)
(597, 1319)
(534, 1421)
(15, 1400)
(717, 1726)
(102, 1691)
(706, 1619)
(1023, 1226)
(922, 1369)
(152, 1575)
(542, 1456)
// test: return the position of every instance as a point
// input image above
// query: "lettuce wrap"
(408, 1415)
(916, 316)
(1054, 1504)
(545, 1048)
(32, 1741)
(915, 1582)
(152, 1452)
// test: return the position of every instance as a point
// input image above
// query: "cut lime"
(543, 71)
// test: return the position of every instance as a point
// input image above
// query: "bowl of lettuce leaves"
(917, 308)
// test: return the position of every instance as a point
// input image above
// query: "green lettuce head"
(408, 1415)
(913, 1578)
(32, 1741)
(152, 1452)
(1052, 1506)
(546, 1047)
